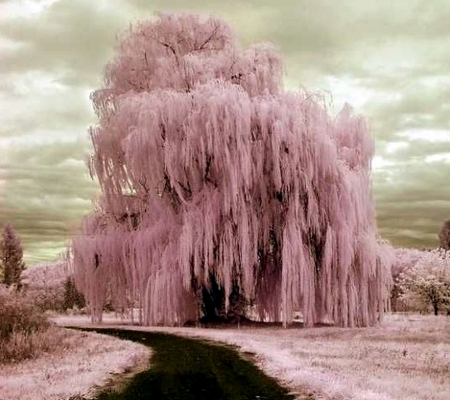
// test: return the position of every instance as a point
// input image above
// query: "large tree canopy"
(213, 175)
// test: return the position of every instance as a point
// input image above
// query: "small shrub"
(22, 329)
(19, 315)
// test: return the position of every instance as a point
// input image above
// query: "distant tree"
(45, 275)
(444, 235)
(44, 283)
(11, 257)
(72, 297)
(405, 259)
(427, 283)
(219, 188)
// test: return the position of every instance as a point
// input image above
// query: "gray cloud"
(71, 38)
(390, 58)
(47, 190)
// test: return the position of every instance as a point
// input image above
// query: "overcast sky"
(389, 59)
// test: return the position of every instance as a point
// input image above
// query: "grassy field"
(406, 358)
(82, 362)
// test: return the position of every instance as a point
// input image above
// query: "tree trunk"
(436, 308)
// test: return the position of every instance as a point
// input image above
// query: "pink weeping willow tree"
(216, 180)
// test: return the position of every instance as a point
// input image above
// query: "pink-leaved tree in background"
(220, 190)
(427, 283)
(405, 260)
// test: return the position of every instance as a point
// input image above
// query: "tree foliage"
(213, 175)
(405, 259)
(46, 275)
(44, 283)
(72, 297)
(427, 283)
(444, 235)
(11, 257)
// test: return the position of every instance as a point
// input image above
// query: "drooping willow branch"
(234, 183)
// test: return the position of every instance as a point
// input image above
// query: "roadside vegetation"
(57, 363)
(25, 307)
(24, 330)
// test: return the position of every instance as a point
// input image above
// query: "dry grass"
(407, 358)
(80, 364)
(22, 346)
(41, 361)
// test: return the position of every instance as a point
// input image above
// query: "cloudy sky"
(389, 59)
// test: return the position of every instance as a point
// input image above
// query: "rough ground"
(86, 361)
(407, 358)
